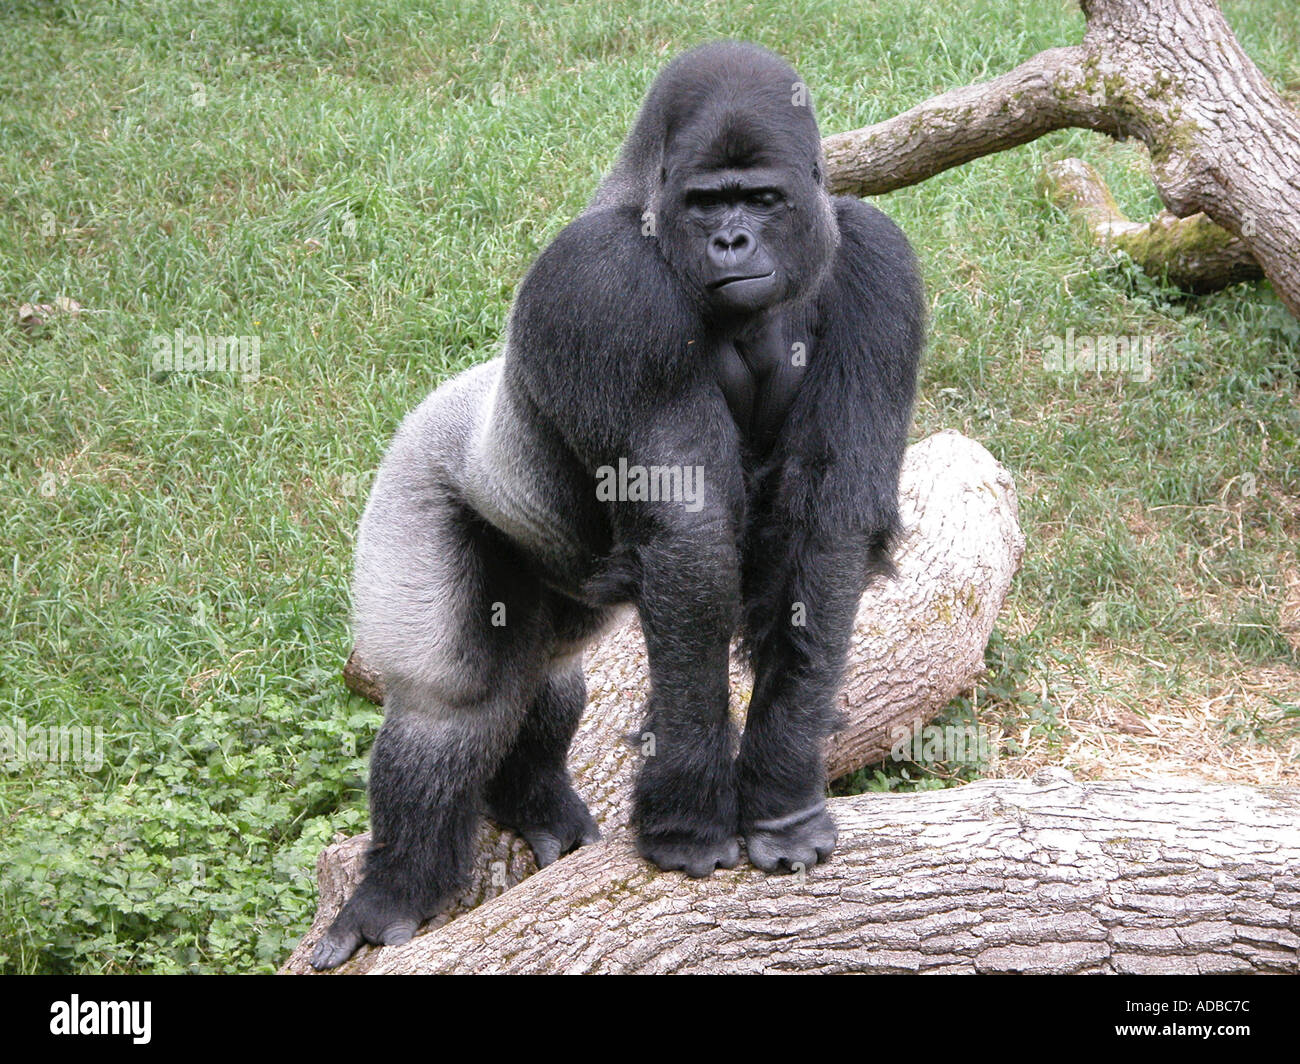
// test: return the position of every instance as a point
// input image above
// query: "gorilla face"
(744, 218)
(731, 221)
(745, 237)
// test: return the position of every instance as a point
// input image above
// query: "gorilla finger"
(699, 865)
(763, 854)
(730, 856)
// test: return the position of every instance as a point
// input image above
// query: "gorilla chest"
(759, 376)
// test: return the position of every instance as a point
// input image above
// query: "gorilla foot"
(697, 857)
(795, 842)
(553, 824)
(372, 915)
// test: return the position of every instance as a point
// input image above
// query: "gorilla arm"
(604, 344)
(872, 322)
(825, 520)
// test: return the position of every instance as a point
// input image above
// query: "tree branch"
(1192, 252)
(1222, 141)
(1039, 96)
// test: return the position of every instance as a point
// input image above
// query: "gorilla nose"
(731, 247)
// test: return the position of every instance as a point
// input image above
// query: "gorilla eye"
(766, 198)
(702, 200)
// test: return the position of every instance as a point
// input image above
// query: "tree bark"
(1048, 876)
(918, 642)
(1222, 141)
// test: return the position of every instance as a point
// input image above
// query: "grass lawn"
(357, 186)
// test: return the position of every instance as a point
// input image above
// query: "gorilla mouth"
(743, 277)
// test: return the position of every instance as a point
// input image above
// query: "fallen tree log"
(918, 642)
(1049, 876)
(1222, 141)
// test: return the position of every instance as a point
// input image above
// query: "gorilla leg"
(427, 771)
(531, 791)
(464, 643)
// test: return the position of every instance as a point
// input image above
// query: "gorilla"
(701, 411)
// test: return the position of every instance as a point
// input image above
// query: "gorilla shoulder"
(870, 239)
(877, 274)
(599, 281)
(598, 331)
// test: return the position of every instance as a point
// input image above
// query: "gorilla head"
(725, 164)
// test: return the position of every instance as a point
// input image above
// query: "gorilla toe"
(552, 825)
(549, 847)
(372, 915)
(337, 946)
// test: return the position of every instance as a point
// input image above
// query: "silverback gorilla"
(701, 410)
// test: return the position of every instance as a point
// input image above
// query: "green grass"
(360, 184)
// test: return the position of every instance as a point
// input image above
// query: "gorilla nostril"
(730, 246)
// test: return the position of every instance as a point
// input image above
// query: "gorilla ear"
(817, 174)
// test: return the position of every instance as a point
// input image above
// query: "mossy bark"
(1223, 142)
(1191, 253)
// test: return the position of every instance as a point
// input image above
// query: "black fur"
(713, 307)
